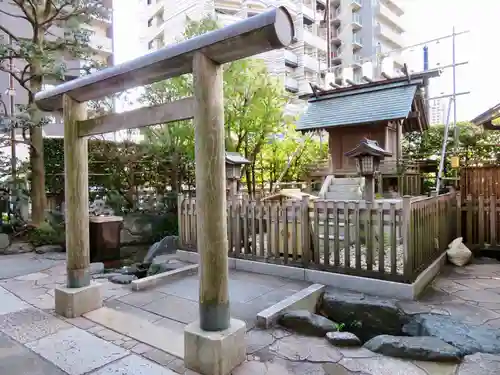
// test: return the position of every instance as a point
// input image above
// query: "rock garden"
(382, 326)
(159, 258)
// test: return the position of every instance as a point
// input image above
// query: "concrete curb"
(381, 288)
(151, 281)
(306, 299)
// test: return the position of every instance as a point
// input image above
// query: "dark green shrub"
(46, 234)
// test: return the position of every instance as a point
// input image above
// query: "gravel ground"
(352, 251)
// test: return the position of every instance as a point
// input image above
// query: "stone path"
(33, 340)
(22, 264)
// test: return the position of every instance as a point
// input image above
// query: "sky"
(424, 20)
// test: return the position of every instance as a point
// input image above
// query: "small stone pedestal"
(74, 302)
(214, 353)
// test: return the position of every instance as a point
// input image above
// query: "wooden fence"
(394, 240)
(480, 180)
(479, 223)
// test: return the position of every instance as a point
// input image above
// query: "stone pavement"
(22, 264)
(35, 341)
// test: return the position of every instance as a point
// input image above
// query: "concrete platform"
(175, 303)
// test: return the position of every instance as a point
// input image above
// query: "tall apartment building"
(359, 30)
(363, 30)
(101, 43)
(303, 62)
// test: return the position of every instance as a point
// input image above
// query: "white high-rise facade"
(359, 30)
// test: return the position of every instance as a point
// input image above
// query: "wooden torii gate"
(214, 344)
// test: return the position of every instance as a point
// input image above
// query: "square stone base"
(74, 302)
(214, 353)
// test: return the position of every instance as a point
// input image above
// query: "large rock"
(96, 268)
(307, 323)
(18, 248)
(344, 339)
(159, 266)
(365, 316)
(423, 348)
(167, 245)
(467, 338)
(122, 279)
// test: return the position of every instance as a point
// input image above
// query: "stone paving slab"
(23, 264)
(9, 303)
(133, 365)
(30, 324)
(176, 308)
(141, 330)
(16, 359)
(75, 351)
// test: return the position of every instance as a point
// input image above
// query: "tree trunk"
(37, 164)
(38, 193)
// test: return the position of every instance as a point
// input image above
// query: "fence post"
(470, 222)
(480, 220)
(180, 199)
(458, 232)
(493, 220)
(304, 231)
(406, 234)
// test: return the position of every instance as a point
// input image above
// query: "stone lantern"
(234, 164)
(368, 155)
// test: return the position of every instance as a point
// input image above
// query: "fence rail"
(390, 240)
(479, 222)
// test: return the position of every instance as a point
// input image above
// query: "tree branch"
(6, 31)
(13, 15)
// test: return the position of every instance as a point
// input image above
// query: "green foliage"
(474, 143)
(254, 103)
(46, 234)
(164, 225)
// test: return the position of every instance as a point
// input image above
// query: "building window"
(151, 45)
(150, 22)
(150, 2)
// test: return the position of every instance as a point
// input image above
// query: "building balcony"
(291, 59)
(390, 36)
(311, 63)
(337, 56)
(101, 44)
(395, 6)
(357, 41)
(357, 61)
(291, 84)
(389, 17)
(356, 4)
(356, 21)
(336, 16)
(314, 40)
(228, 5)
(336, 38)
(307, 10)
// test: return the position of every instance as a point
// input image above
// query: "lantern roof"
(368, 147)
(235, 158)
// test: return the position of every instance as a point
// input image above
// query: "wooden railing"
(432, 226)
(389, 166)
(479, 222)
(389, 240)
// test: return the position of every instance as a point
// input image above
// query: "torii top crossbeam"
(264, 32)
